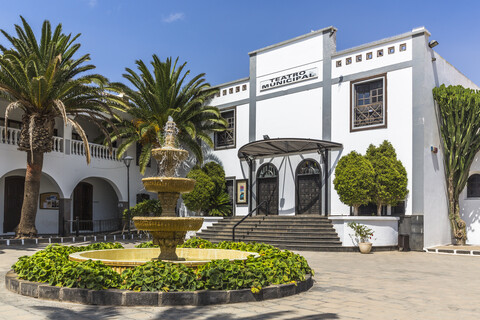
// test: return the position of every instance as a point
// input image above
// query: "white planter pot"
(365, 247)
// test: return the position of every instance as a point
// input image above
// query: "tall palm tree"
(165, 93)
(45, 81)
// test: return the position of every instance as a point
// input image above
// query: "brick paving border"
(115, 297)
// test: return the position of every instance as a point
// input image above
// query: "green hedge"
(273, 266)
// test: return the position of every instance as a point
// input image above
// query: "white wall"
(470, 208)
(385, 230)
(398, 131)
(290, 55)
(437, 229)
(297, 115)
(375, 62)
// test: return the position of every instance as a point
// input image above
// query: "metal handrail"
(248, 215)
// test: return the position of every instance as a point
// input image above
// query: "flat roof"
(284, 146)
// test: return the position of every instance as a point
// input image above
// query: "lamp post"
(126, 161)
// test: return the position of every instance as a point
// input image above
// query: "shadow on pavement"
(203, 313)
(175, 313)
(89, 312)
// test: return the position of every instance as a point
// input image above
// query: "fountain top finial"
(170, 132)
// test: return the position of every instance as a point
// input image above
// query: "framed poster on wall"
(49, 200)
(242, 194)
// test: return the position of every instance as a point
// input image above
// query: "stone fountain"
(168, 231)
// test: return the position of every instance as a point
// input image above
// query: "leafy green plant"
(209, 197)
(354, 177)
(159, 276)
(273, 266)
(51, 265)
(362, 232)
(146, 208)
(390, 176)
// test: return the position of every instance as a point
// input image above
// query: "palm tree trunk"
(26, 227)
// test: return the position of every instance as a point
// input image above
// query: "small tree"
(209, 197)
(390, 185)
(459, 114)
(354, 177)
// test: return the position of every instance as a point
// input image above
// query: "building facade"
(304, 88)
(96, 193)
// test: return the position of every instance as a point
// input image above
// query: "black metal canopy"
(284, 146)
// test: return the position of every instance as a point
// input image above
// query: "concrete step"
(326, 234)
(298, 229)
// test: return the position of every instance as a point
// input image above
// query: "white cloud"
(174, 17)
(92, 3)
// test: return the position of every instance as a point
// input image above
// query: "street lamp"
(126, 161)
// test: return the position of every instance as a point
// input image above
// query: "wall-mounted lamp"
(433, 43)
(434, 149)
(266, 137)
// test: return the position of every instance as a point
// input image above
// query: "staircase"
(305, 233)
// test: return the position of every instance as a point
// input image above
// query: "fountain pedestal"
(168, 231)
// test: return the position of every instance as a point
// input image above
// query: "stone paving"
(383, 285)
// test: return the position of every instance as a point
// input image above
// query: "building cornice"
(412, 33)
(308, 35)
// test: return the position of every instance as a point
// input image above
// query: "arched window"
(473, 186)
(268, 171)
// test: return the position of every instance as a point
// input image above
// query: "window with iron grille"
(473, 186)
(368, 104)
(226, 139)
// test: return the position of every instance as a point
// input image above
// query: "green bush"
(209, 197)
(159, 276)
(52, 265)
(145, 208)
(354, 178)
(273, 266)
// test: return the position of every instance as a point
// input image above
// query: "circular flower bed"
(272, 267)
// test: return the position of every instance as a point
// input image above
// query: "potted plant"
(363, 234)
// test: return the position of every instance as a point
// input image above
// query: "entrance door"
(83, 205)
(267, 189)
(308, 188)
(14, 187)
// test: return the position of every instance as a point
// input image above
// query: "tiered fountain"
(168, 231)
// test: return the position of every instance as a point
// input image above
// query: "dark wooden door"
(308, 194)
(83, 205)
(268, 190)
(14, 187)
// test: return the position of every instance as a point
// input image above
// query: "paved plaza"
(383, 285)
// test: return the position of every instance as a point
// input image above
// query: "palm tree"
(45, 81)
(162, 94)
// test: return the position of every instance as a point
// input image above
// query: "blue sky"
(215, 36)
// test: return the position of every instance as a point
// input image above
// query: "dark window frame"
(473, 187)
(217, 134)
(353, 102)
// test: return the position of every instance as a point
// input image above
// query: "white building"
(300, 88)
(304, 88)
(96, 193)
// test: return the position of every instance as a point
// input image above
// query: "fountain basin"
(168, 223)
(122, 259)
(168, 184)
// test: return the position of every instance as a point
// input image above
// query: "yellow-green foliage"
(354, 177)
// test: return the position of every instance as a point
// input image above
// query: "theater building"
(305, 105)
